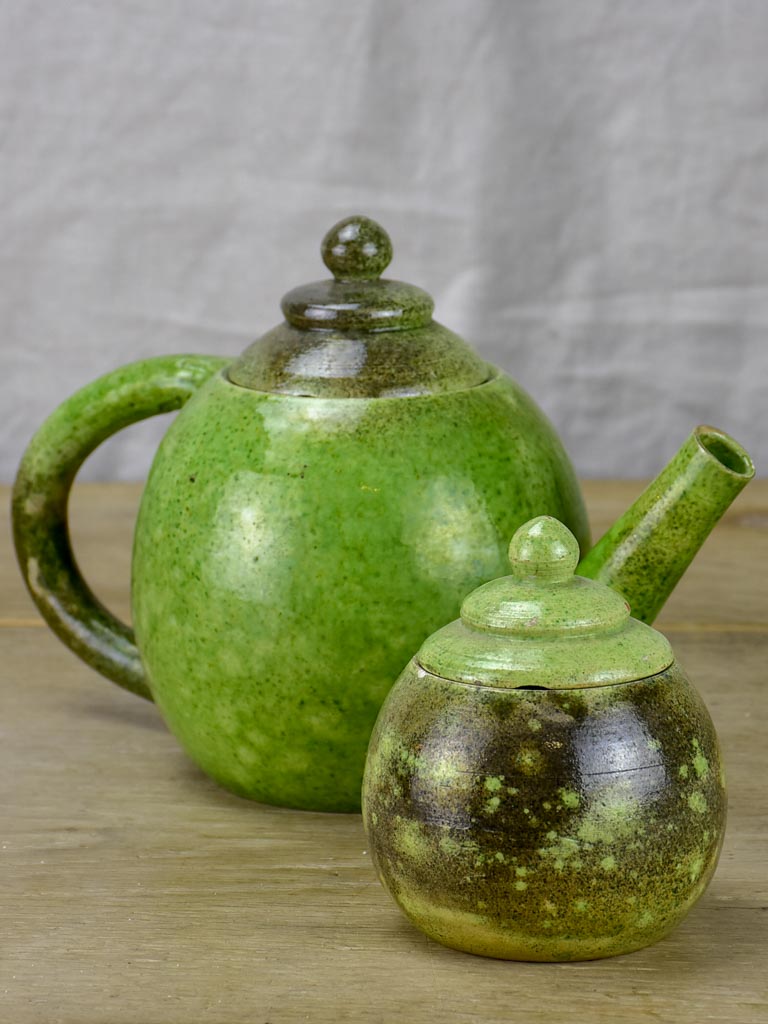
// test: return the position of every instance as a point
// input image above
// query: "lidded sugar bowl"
(543, 781)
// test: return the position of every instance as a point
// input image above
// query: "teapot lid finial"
(545, 626)
(357, 249)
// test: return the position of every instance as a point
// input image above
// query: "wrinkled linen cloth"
(583, 187)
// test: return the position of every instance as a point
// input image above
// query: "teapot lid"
(543, 626)
(358, 335)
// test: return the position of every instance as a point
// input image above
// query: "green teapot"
(543, 781)
(319, 506)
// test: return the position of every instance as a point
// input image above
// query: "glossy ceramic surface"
(359, 336)
(544, 824)
(41, 492)
(648, 549)
(543, 626)
(320, 505)
(292, 553)
(524, 800)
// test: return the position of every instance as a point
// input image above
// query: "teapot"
(543, 782)
(319, 506)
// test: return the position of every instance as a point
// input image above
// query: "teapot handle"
(41, 492)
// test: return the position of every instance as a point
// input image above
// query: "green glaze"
(543, 626)
(292, 553)
(315, 511)
(41, 491)
(356, 336)
(360, 364)
(356, 251)
(544, 824)
(648, 549)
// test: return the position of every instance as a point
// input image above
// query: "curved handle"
(40, 495)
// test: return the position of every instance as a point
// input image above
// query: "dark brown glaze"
(545, 824)
(360, 364)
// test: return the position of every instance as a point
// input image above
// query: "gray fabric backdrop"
(582, 185)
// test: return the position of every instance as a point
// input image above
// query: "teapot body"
(544, 824)
(292, 552)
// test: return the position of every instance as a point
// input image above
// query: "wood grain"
(134, 890)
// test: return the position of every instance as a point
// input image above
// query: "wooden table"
(134, 890)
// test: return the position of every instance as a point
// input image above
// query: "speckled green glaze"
(316, 510)
(357, 336)
(359, 364)
(292, 553)
(356, 251)
(544, 824)
(543, 626)
(41, 491)
(648, 549)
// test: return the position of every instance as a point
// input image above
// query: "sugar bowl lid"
(543, 626)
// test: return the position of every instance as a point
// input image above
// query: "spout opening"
(724, 450)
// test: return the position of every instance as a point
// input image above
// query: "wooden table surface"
(134, 890)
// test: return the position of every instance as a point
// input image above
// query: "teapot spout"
(647, 550)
